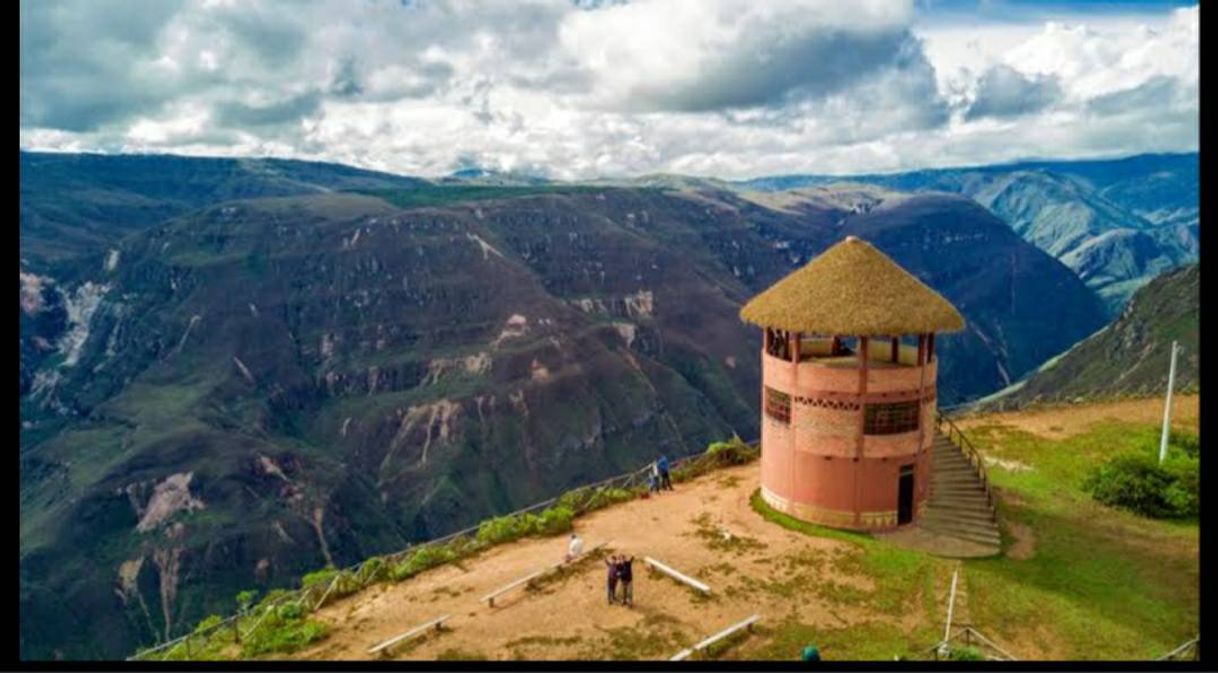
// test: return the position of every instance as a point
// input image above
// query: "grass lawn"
(1096, 583)
(1078, 580)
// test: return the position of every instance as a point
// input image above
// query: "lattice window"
(778, 405)
(890, 418)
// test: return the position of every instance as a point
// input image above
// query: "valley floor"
(1077, 581)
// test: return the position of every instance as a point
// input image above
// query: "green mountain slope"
(1133, 353)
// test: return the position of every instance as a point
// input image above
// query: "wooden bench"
(681, 577)
(383, 648)
(743, 624)
(489, 599)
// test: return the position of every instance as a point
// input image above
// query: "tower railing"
(961, 441)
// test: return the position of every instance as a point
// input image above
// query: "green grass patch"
(868, 641)
(1101, 583)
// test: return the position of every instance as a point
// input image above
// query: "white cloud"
(724, 87)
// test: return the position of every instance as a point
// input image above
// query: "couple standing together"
(621, 570)
(658, 477)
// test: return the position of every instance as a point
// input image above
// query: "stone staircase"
(958, 506)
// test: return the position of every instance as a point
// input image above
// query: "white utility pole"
(944, 648)
(1171, 382)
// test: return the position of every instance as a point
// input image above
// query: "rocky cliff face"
(261, 387)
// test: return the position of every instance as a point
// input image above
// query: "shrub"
(965, 654)
(603, 497)
(1138, 483)
(555, 520)
(428, 556)
(282, 636)
(1188, 443)
(373, 570)
(208, 623)
(245, 599)
(498, 529)
(732, 452)
(323, 576)
(290, 610)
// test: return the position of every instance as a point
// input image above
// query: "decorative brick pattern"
(828, 403)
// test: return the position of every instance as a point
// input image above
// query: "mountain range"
(236, 371)
(1115, 223)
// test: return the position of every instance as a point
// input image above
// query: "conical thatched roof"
(852, 289)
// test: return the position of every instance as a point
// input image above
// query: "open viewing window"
(777, 405)
(891, 418)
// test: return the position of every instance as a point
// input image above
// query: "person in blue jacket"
(665, 481)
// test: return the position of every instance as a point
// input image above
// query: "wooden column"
(930, 347)
(922, 478)
(835, 345)
(793, 344)
(767, 339)
(896, 349)
(858, 448)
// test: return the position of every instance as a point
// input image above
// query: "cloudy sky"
(584, 88)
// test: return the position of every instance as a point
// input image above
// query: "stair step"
(957, 490)
(964, 532)
(955, 472)
(956, 477)
(964, 497)
(958, 507)
(958, 501)
(978, 516)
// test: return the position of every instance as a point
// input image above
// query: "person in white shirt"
(575, 547)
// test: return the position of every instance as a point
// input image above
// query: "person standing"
(662, 465)
(611, 562)
(653, 478)
(625, 574)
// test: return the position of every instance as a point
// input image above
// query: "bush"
(373, 570)
(323, 576)
(208, 623)
(291, 610)
(428, 556)
(966, 654)
(1186, 442)
(555, 520)
(1138, 483)
(282, 636)
(499, 529)
(603, 497)
(732, 452)
(245, 599)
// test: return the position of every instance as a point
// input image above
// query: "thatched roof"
(852, 289)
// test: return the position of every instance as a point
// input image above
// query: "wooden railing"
(1190, 651)
(360, 573)
(970, 638)
(945, 425)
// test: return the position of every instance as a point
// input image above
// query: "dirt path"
(762, 568)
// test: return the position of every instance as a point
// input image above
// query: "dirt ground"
(568, 617)
(1065, 421)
